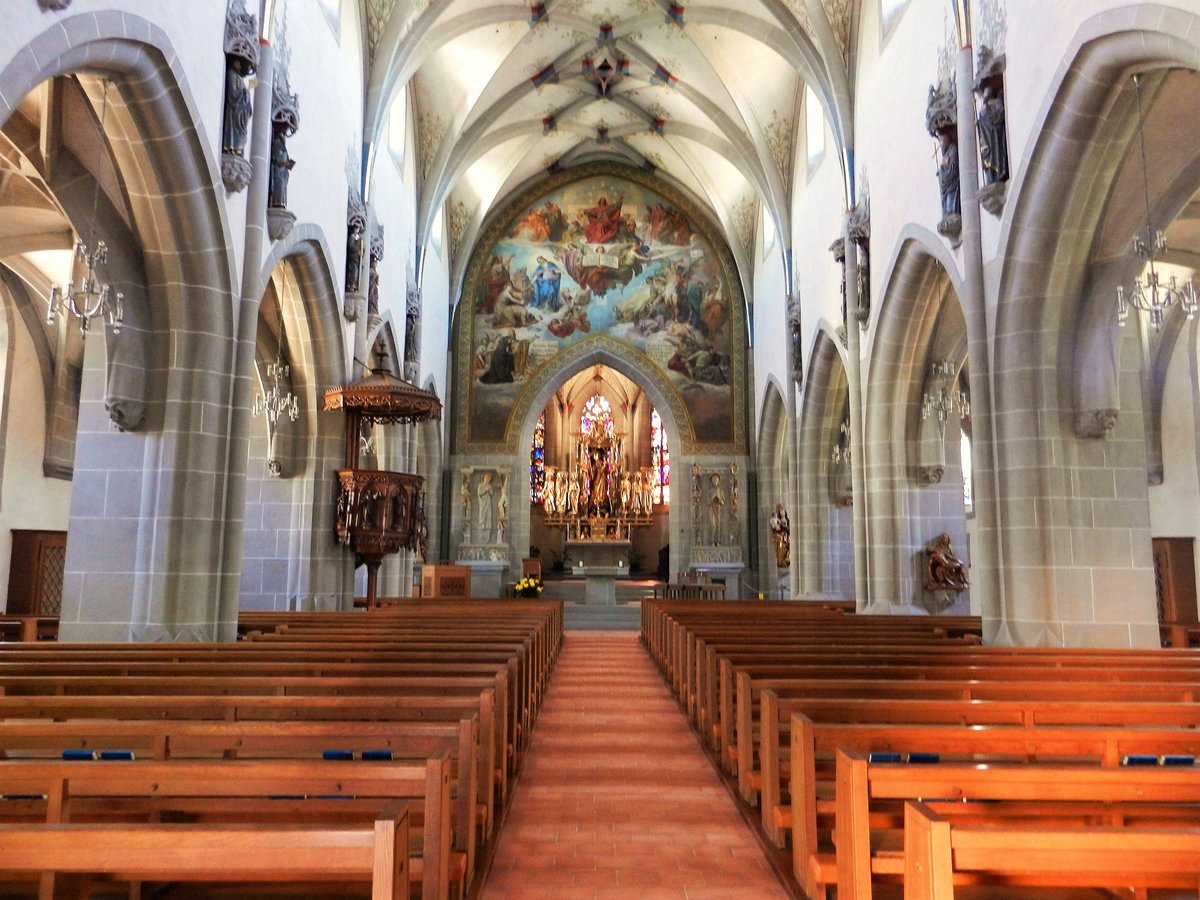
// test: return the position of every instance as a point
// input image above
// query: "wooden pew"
(163, 740)
(426, 784)
(251, 852)
(1062, 856)
(869, 836)
(813, 746)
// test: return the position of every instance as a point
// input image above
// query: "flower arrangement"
(528, 587)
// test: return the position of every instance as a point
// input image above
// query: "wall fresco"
(601, 255)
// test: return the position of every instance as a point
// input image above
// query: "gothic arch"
(775, 476)
(171, 177)
(299, 275)
(920, 321)
(822, 542)
(1055, 332)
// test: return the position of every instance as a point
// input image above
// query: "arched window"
(537, 461)
(660, 459)
(964, 450)
(597, 416)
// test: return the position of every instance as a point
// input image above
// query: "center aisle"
(616, 799)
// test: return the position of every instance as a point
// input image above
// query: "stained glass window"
(537, 460)
(597, 417)
(660, 458)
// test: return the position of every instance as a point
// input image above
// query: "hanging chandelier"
(90, 298)
(1149, 293)
(944, 401)
(841, 450)
(275, 401)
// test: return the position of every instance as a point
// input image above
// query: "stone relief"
(1095, 423)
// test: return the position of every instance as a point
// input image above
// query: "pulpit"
(379, 512)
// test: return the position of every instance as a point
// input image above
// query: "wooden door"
(35, 575)
(1175, 579)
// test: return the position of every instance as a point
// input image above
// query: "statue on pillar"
(944, 571)
(781, 535)
(484, 512)
(941, 121)
(716, 509)
(241, 61)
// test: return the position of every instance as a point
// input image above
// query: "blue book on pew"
(1140, 759)
(338, 754)
(1177, 760)
(884, 757)
(923, 759)
(385, 755)
(123, 755)
(77, 755)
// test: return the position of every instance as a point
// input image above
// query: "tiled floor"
(616, 799)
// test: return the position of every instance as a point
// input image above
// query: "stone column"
(854, 379)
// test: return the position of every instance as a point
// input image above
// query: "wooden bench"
(28, 628)
(251, 852)
(869, 836)
(1060, 856)
(273, 788)
(813, 748)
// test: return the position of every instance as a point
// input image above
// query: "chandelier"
(1149, 293)
(90, 298)
(275, 401)
(841, 450)
(944, 401)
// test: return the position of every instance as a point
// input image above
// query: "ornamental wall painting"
(602, 255)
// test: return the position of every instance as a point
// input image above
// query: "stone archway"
(166, 572)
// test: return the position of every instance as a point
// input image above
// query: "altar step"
(622, 617)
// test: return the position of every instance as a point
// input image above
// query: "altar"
(600, 563)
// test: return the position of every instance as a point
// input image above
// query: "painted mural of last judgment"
(602, 256)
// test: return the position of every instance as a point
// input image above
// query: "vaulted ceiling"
(705, 94)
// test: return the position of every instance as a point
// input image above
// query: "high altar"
(597, 500)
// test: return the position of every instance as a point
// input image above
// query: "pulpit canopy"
(382, 397)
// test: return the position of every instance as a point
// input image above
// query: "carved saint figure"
(781, 534)
(943, 570)
(993, 143)
(647, 493)
(626, 492)
(948, 173)
(235, 125)
(560, 491)
(281, 169)
(548, 505)
(573, 495)
(354, 255)
(502, 508)
(484, 514)
(716, 509)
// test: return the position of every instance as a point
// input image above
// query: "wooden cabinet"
(35, 575)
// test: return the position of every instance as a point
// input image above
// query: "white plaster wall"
(30, 500)
(1175, 504)
(772, 342)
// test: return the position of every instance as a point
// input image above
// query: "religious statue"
(560, 490)
(635, 491)
(281, 168)
(599, 488)
(943, 570)
(647, 494)
(716, 504)
(573, 495)
(354, 255)
(947, 156)
(502, 508)
(626, 492)
(993, 142)
(464, 497)
(236, 121)
(781, 534)
(548, 505)
(484, 513)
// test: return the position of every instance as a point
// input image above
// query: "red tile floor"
(616, 798)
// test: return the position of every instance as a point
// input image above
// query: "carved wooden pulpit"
(379, 512)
